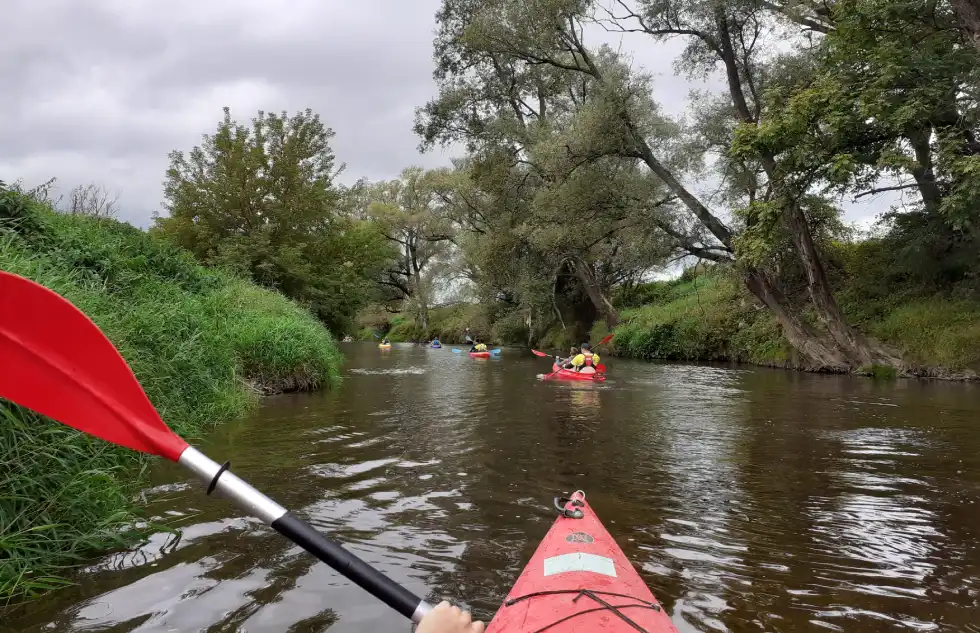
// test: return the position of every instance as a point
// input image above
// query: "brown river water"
(749, 499)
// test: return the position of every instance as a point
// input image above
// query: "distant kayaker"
(468, 339)
(384, 341)
(585, 360)
(478, 347)
(446, 618)
(566, 363)
(435, 342)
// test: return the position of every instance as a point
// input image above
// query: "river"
(749, 499)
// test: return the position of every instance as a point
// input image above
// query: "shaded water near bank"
(749, 499)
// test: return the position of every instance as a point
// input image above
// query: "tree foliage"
(410, 216)
(260, 199)
(820, 99)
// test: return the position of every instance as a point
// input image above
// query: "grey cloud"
(102, 90)
(110, 87)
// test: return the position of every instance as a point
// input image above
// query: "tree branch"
(872, 192)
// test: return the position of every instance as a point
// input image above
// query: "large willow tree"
(516, 75)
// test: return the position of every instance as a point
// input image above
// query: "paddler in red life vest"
(586, 361)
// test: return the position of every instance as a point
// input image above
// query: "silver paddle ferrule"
(231, 486)
(421, 611)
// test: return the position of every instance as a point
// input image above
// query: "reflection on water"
(750, 499)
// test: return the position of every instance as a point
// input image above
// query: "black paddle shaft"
(368, 578)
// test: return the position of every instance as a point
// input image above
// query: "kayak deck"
(479, 354)
(569, 374)
(579, 581)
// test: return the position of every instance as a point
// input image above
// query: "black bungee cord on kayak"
(615, 608)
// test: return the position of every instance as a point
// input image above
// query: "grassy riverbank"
(447, 322)
(712, 317)
(202, 343)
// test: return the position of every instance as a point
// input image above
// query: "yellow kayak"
(384, 346)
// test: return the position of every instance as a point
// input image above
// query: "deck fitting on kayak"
(561, 502)
(615, 608)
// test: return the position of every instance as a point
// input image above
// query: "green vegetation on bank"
(202, 343)
(449, 323)
(891, 287)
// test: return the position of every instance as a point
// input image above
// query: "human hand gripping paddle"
(600, 368)
(56, 361)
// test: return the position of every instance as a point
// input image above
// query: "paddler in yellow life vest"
(478, 347)
(585, 361)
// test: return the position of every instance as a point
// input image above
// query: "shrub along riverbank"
(202, 343)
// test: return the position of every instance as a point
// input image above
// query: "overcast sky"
(101, 90)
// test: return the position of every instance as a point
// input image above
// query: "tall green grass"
(703, 318)
(202, 343)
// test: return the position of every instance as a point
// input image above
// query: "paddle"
(56, 361)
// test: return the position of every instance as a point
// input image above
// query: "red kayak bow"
(579, 581)
(479, 354)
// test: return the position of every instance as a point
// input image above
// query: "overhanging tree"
(505, 52)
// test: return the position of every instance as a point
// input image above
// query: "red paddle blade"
(606, 340)
(600, 368)
(56, 361)
(537, 353)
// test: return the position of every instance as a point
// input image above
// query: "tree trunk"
(968, 12)
(855, 346)
(857, 349)
(602, 304)
(922, 171)
(819, 353)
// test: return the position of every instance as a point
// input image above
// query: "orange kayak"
(579, 581)
(569, 374)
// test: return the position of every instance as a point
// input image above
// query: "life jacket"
(588, 358)
(481, 347)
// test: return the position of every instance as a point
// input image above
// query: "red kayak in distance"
(571, 374)
(479, 354)
(579, 581)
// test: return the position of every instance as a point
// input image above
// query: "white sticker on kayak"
(579, 561)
